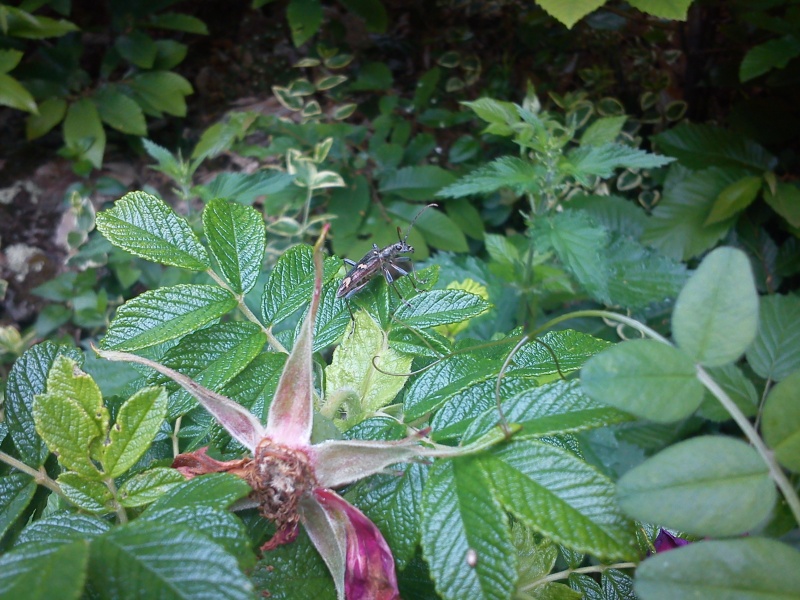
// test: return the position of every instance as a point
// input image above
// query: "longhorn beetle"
(380, 260)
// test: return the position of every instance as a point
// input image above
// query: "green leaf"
(164, 314)
(137, 48)
(738, 387)
(786, 202)
(570, 348)
(519, 175)
(372, 11)
(179, 22)
(23, 24)
(149, 486)
(9, 59)
(63, 527)
(775, 353)
(678, 224)
(294, 570)
(138, 421)
(734, 199)
(640, 276)
(38, 571)
(352, 370)
(237, 239)
(169, 54)
(647, 378)
(781, 422)
(333, 318)
(372, 76)
(555, 493)
(305, 18)
(84, 132)
(716, 314)
(245, 188)
(706, 486)
(215, 490)
(394, 504)
(602, 160)
(120, 111)
(16, 492)
(579, 244)
(552, 409)
(500, 115)
(219, 525)
(663, 9)
(14, 94)
(603, 131)
(416, 183)
(158, 559)
(28, 378)
(255, 385)
(744, 569)
(460, 515)
(702, 146)
(438, 229)
(147, 227)
(290, 283)
(569, 13)
(51, 113)
(86, 494)
(439, 307)
(70, 417)
(161, 92)
(772, 54)
(211, 356)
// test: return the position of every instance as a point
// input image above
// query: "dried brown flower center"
(279, 477)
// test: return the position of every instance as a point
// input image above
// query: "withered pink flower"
(292, 479)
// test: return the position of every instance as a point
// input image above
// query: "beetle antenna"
(414, 220)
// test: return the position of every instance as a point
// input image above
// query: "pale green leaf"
(27, 378)
(569, 13)
(519, 175)
(147, 227)
(786, 202)
(646, 378)
(352, 370)
(734, 199)
(416, 183)
(70, 417)
(707, 486)
(440, 307)
(781, 422)
(603, 160)
(744, 569)
(775, 352)
(138, 421)
(86, 494)
(716, 314)
(148, 486)
(603, 131)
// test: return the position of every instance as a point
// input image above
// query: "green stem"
(565, 574)
(777, 474)
(122, 516)
(40, 477)
(742, 421)
(273, 341)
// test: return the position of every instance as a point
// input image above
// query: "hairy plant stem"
(777, 474)
(40, 477)
(122, 516)
(565, 574)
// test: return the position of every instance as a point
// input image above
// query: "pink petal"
(291, 411)
(369, 572)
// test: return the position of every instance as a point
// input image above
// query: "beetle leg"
(352, 263)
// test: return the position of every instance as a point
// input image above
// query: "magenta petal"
(369, 574)
(666, 541)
